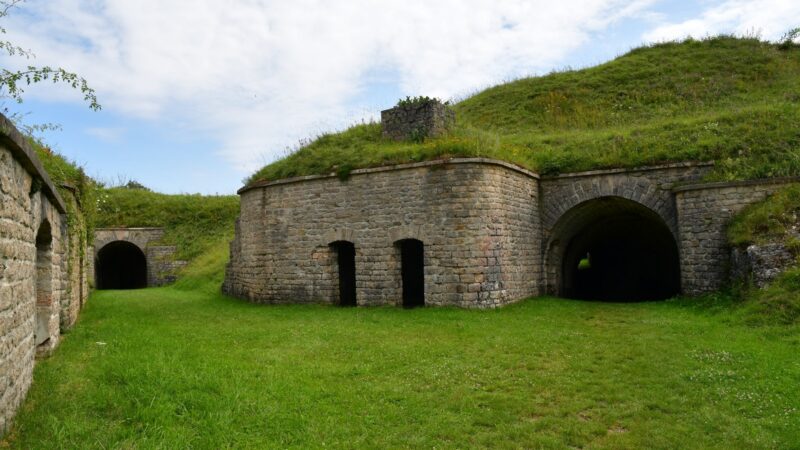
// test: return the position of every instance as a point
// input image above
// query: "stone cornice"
(12, 139)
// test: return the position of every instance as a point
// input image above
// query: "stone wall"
(493, 233)
(704, 212)
(650, 187)
(162, 267)
(417, 121)
(762, 263)
(35, 276)
(477, 219)
(78, 259)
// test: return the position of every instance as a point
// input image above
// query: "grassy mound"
(773, 220)
(731, 100)
(65, 172)
(194, 223)
(206, 272)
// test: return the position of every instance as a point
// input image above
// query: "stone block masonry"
(417, 121)
(161, 265)
(492, 233)
(761, 264)
(39, 291)
(704, 212)
(477, 220)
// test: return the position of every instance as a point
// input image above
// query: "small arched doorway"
(412, 271)
(43, 284)
(345, 256)
(614, 249)
(121, 265)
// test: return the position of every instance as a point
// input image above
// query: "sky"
(197, 95)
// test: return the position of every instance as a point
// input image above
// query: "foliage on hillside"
(194, 223)
(732, 100)
(64, 172)
(774, 219)
(72, 183)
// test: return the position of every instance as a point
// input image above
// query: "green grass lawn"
(177, 368)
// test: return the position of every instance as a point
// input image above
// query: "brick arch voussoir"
(640, 191)
(339, 234)
(139, 242)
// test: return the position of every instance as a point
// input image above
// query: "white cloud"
(768, 19)
(257, 75)
(108, 134)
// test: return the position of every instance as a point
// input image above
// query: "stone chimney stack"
(415, 119)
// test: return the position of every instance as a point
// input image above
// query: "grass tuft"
(774, 219)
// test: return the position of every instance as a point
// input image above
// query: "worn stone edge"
(591, 173)
(22, 151)
(729, 184)
(395, 167)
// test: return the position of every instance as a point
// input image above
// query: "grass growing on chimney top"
(735, 101)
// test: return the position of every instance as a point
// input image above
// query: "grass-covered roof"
(735, 101)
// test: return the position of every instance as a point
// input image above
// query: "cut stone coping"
(436, 162)
(488, 161)
(510, 166)
(24, 153)
(728, 184)
(591, 173)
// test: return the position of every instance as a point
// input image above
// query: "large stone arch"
(564, 193)
(159, 258)
(612, 247)
(121, 265)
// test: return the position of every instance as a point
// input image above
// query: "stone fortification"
(40, 291)
(568, 206)
(760, 264)
(477, 220)
(79, 257)
(417, 120)
(161, 266)
(492, 233)
(705, 210)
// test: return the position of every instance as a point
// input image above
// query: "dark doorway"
(121, 265)
(412, 261)
(346, 260)
(619, 250)
(44, 283)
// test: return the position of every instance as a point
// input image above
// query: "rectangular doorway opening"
(346, 261)
(412, 261)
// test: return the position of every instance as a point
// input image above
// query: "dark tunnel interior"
(618, 250)
(121, 265)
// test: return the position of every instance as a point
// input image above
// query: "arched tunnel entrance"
(121, 265)
(615, 249)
